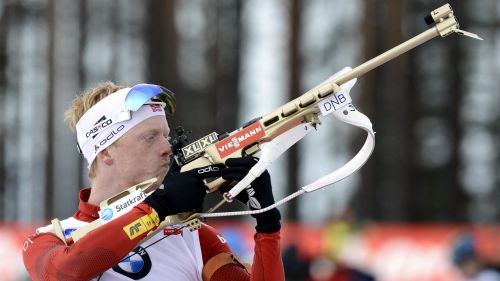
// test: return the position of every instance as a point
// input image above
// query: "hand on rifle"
(182, 191)
(256, 196)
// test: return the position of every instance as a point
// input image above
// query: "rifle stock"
(245, 141)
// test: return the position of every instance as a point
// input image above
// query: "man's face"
(143, 152)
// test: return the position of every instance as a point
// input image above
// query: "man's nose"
(167, 148)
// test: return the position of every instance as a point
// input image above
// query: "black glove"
(256, 196)
(182, 191)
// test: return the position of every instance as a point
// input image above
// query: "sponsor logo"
(132, 230)
(106, 214)
(208, 169)
(167, 231)
(26, 244)
(131, 202)
(240, 139)
(250, 191)
(102, 123)
(252, 201)
(68, 231)
(121, 206)
(156, 107)
(141, 225)
(136, 265)
(221, 239)
(333, 103)
(111, 135)
(197, 146)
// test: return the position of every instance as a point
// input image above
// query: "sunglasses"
(142, 94)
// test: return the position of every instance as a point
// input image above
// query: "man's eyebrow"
(147, 132)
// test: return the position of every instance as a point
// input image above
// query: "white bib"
(177, 257)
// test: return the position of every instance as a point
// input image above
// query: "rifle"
(305, 111)
(275, 132)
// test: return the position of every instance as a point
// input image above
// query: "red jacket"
(46, 257)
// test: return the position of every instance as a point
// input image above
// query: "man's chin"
(153, 187)
(161, 177)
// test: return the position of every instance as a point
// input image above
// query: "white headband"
(108, 120)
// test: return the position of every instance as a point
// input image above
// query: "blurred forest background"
(435, 109)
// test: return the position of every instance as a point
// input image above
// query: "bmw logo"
(136, 265)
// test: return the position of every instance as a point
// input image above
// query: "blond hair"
(84, 102)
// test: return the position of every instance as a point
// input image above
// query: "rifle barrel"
(387, 56)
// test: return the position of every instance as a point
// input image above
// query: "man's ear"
(105, 157)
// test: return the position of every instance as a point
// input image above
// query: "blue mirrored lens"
(139, 94)
(142, 93)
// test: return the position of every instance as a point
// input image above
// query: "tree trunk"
(292, 181)
(387, 177)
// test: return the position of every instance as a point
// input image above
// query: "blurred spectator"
(323, 269)
(326, 269)
(469, 263)
(331, 267)
(296, 267)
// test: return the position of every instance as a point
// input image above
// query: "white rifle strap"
(273, 149)
(357, 119)
(270, 151)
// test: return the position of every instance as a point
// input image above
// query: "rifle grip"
(215, 184)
